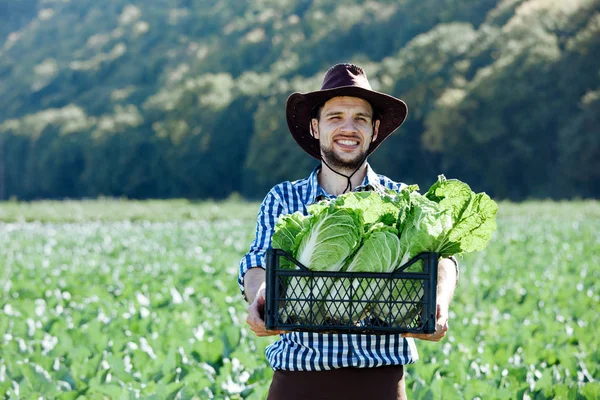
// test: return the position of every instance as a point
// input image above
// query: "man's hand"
(447, 280)
(441, 327)
(254, 285)
(256, 313)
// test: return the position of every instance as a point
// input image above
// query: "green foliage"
(118, 308)
(111, 299)
(286, 230)
(328, 238)
(379, 251)
(373, 232)
(473, 216)
(186, 98)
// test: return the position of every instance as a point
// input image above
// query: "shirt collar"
(315, 192)
(313, 186)
(371, 181)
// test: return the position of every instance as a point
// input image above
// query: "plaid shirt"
(310, 351)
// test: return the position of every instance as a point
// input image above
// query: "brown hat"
(342, 80)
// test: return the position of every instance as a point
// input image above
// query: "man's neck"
(336, 184)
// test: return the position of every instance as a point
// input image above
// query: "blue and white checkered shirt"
(311, 351)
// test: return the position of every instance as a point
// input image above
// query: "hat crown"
(342, 75)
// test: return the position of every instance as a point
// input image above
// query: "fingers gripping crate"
(299, 299)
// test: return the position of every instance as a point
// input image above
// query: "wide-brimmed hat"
(342, 80)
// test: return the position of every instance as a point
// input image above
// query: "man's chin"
(344, 161)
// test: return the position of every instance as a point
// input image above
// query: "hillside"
(186, 98)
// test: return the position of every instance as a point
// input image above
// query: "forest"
(186, 98)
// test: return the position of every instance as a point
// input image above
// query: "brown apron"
(383, 383)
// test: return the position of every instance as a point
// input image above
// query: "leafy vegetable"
(425, 225)
(324, 244)
(473, 221)
(329, 238)
(285, 234)
(378, 253)
(374, 206)
(449, 220)
(378, 232)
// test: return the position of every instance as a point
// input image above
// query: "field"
(113, 299)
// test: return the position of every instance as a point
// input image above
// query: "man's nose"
(349, 125)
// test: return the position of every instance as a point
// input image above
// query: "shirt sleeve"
(270, 209)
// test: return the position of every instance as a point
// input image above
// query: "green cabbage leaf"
(326, 241)
(286, 231)
(379, 252)
(473, 216)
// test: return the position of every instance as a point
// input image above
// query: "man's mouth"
(347, 143)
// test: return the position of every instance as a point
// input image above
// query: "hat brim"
(392, 113)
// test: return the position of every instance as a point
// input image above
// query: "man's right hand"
(256, 313)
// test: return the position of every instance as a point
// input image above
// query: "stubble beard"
(340, 164)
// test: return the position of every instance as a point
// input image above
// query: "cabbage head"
(379, 252)
(473, 216)
(288, 227)
(327, 240)
(375, 207)
(423, 228)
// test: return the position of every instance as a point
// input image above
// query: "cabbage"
(329, 238)
(449, 220)
(378, 232)
(374, 206)
(325, 242)
(379, 253)
(423, 226)
(285, 233)
(473, 216)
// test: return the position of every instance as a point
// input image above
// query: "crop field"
(114, 299)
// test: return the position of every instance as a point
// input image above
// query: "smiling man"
(339, 125)
(345, 128)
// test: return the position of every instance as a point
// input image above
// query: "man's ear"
(315, 128)
(375, 130)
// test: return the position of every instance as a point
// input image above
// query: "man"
(339, 125)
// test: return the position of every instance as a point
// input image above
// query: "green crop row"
(142, 302)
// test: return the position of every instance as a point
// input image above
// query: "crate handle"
(425, 256)
(283, 253)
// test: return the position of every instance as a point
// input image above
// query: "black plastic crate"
(350, 302)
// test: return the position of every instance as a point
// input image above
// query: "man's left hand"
(441, 327)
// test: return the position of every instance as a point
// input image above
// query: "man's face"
(345, 130)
